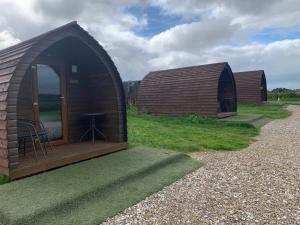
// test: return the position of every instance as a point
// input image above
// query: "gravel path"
(259, 185)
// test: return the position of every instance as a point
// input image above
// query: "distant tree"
(283, 90)
(283, 94)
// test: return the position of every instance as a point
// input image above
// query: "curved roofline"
(188, 67)
(37, 45)
(38, 36)
(251, 71)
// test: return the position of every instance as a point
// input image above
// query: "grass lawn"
(271, 110)
(194, 133)
(4, 179)
(188, 134)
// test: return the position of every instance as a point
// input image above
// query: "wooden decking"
(63, 155)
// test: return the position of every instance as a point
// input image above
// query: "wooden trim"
(35, 94)
(49, 61)
(64, 104)
(62, 81)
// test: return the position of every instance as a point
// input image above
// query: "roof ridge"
(188, 67)
(250, 71)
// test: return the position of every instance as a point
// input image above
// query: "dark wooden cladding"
(251, 86)
(97, 87)
(199, 90)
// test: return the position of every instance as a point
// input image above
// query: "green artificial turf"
(88, 192)
(271, 110)
(188, 134)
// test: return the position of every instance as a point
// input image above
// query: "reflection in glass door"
(49, 101)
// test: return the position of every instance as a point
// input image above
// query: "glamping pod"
(251, 86)
(207, 90)
(63, 89)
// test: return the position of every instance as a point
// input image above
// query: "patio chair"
(28, 130)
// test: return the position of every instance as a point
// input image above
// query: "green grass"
(271, 110)
(4, 179)
(188, 134)
(54, 115)
(256, 120)
(291, 101)
(87, 193)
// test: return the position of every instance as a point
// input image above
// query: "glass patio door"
(49, 102)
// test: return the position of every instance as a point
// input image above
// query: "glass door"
(50, 100)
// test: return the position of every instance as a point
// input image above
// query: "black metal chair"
(35, 133)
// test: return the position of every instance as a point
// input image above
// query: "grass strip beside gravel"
(271, 110)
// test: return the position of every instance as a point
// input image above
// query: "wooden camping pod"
(251, 86)
(207, 90)
(96, 86)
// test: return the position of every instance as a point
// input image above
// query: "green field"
(286, 101)
(284, 97)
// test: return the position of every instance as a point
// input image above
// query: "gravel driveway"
(258, 185)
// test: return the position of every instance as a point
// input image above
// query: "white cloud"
(6, 39)
(280, 60)
(220, 31)
(194, 37)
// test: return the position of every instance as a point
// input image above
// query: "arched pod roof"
(15, 62)
(251, 86)
(183, 91)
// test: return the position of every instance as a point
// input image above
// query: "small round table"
(92, 128)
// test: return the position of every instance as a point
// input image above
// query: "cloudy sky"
(145, 35)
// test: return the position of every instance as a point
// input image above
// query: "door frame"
(63, 89)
